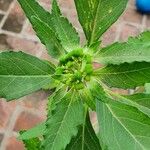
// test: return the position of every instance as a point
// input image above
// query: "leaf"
(86, 96)
(123, 127)
(96, 16)
(147, 88)
(37, 131)
(22, 74)
(48, 38)
(86, 138)
(135, 49)
(32, 144)
(63, 121)
(141, 101)
(125, 76)
(32, 8)
(66, 32)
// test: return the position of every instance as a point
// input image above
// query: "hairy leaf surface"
(62, 124)
(86, 138)
(66, 32)
(96, 16)
(135, 49)
(32, 144)
(47, 37)
(125, 75)
(22, 74)
(123, 127)
(37, 131)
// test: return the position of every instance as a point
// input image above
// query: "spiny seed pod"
(88, 59)
(79, 86)
(88, 69)
(59, 71)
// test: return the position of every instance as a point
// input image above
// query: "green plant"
(124, 122)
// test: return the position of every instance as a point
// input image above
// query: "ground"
(16, 34)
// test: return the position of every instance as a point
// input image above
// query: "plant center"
(75, 69)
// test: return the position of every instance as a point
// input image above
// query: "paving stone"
(24, 45)
(34, 100)
(128, 31)
(110, 35)
(14, 144)
(15, 20)
(1, 138)
(4, 4)
(26, 121)
(6, 109)
(131, 15)
(148, 22)
(1, 17)
(4, 45)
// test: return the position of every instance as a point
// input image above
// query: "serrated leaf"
(22, 74)
(37, 131)
(135, 49)
(47, 37)
(126, 75)
(63, 121)
(96, 16)
(32, 8)
(123, 127)
(86, 138)
(141, 101)
(66, 32)
(88, 98)
(32, 144)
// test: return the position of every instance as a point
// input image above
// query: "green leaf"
(87, 96)
(32, 144)
(62, 122)
(125, 76)
(32, 8)
(135, 49)
(96, 16)
(37, 131)
(140, 101)
(147, 88)
(47, 37)
(22, 74)
(66, 32)
(123, 127)
(86, 138)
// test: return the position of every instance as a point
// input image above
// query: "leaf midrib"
(119, 121)
(94, 24)
(62, 120)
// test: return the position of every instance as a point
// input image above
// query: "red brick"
(29, 30)
(148, 22)
(110, 35)
(14, 144)
(131, 15)
(132, 3)
(1, 138)
(3, 43)
(15, 20)
(35, 100)
(6, 109)
(67, 4)
(23, 45)
(128, 31)
(4, 4)
(26, 121)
